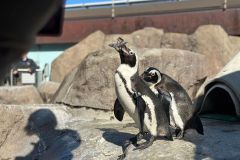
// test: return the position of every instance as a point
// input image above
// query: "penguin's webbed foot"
(121, 157)
(141, 135)
(179, 133)
(145, 144)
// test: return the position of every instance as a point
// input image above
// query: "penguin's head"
(127, 56)
(151, 75)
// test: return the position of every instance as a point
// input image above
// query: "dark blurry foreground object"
(21, 21)
(54, 25)
(53, 144)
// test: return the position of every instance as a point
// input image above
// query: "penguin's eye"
(152, 74)
(131, 53)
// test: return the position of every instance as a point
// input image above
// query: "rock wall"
(209, 40)
(74, 55)
(91, 84)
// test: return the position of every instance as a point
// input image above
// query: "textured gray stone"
(73, 56)
(94, 135)
(92, 83)
(209, 40)
(214, 42)
(20, 95)
(47, 90)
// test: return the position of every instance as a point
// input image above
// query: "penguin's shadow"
(114, 136)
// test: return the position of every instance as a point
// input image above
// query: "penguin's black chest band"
(134, 95)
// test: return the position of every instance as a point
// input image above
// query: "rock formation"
(91, 84)
(209, 40)
(87, 134)
(74, 55)
(20, 95)
(47, 90)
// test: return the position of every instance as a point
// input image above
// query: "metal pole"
(224, 5)
(113, 9)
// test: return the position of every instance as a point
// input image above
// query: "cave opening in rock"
(219, 100)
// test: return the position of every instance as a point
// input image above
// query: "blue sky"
(84, 1)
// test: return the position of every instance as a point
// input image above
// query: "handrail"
(152, 7)
(109, 3)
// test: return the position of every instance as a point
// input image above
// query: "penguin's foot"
(179, 133)
(145, 144)
(121, 157)
(141, 135)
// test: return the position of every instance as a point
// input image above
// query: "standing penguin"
(137, 99)
(183, 114)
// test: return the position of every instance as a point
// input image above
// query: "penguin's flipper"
(141, 106)
(118, 110)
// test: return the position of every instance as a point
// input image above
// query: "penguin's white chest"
(123, 89)
(150, 120)
(175, 118)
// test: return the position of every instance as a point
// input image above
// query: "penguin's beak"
(120, 46)
(145, 76)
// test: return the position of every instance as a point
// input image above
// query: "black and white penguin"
(183, 115)
(137, 99)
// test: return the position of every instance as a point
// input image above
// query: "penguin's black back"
(181, 97)
(184, 104)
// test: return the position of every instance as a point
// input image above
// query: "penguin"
(183, 115)
(138, 100)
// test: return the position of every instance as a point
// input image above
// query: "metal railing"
(110, 2)
(123, 8)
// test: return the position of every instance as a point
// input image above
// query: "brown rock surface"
(47, 90)
(74, 55)
(93, 82)
(235, 40)
(61, 66)
(147, 38)
(20, 95)
(176, 41)
(210, 40)
(213, 41)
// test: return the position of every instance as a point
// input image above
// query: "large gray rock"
(92, 83)
(20, 95)
(69, 59)
(213, 41)
(47, 90)
(147, 38)
(235, 40)
(88, 134)
(209, 40)
(176, 41)
(74, 55)
(144, 38)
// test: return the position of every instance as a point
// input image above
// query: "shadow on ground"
(220, 141)
(115, 137)
(53, 143)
